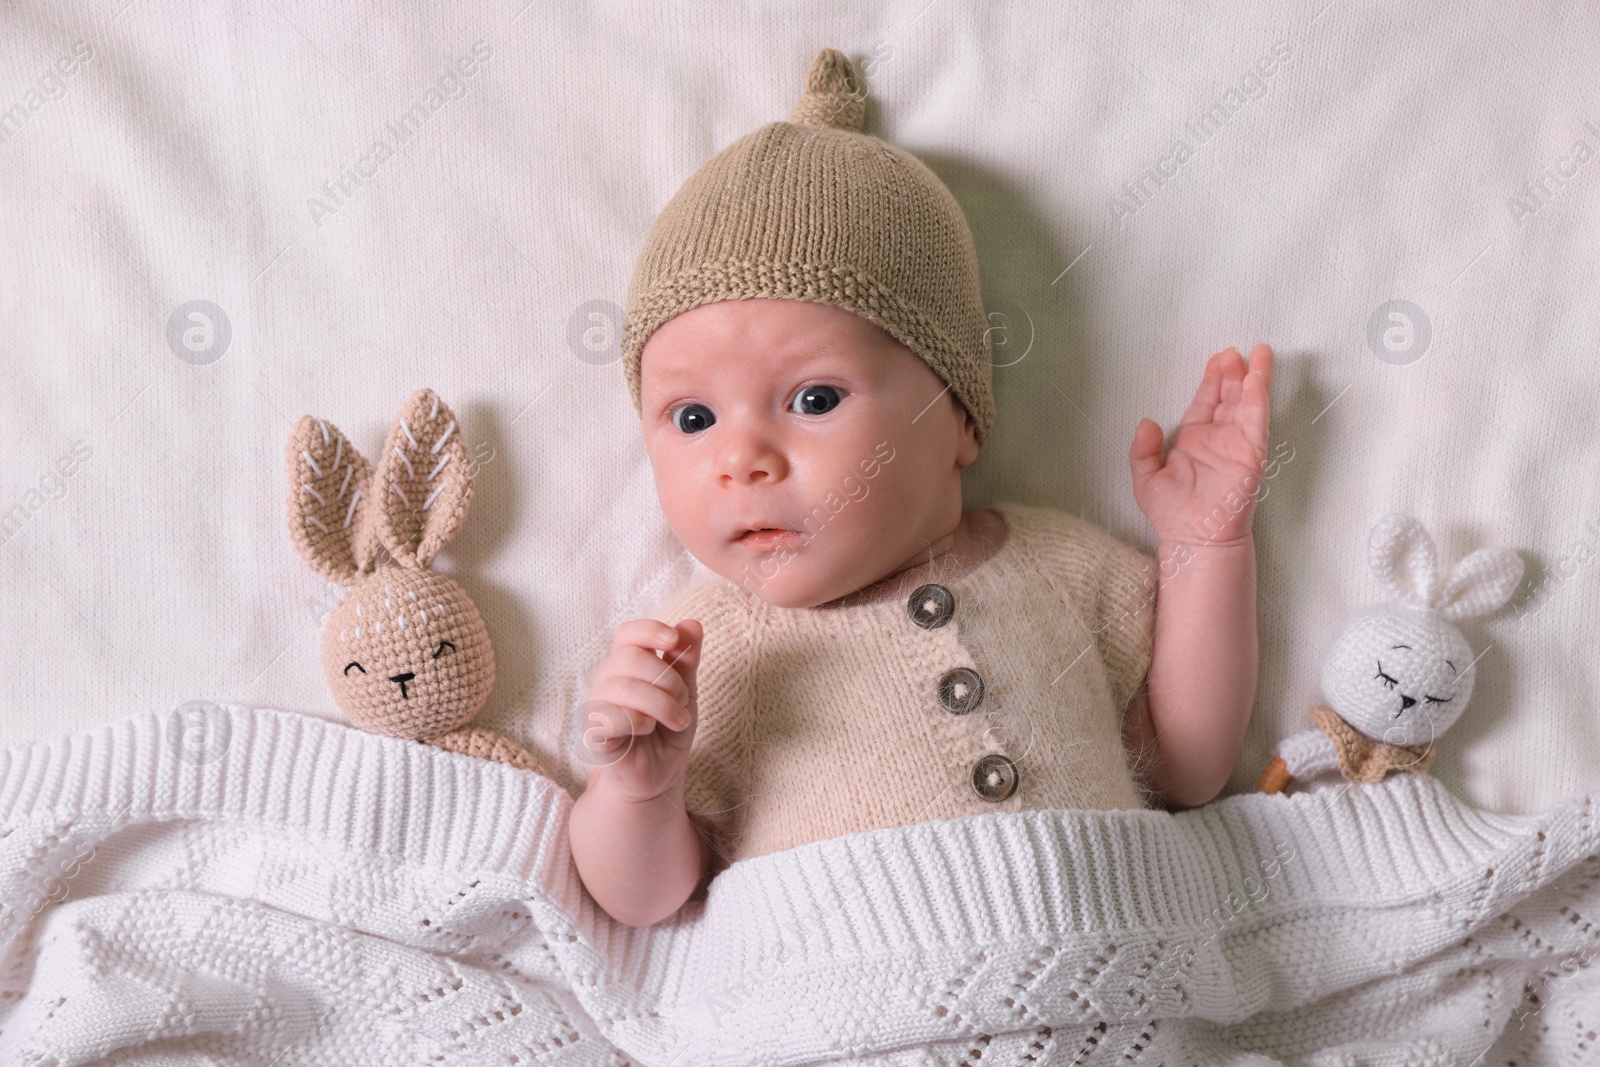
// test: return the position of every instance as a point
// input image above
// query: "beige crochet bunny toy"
(406, 653)
(1399, 673)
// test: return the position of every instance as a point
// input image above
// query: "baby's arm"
(1190, 718)
(632, 842)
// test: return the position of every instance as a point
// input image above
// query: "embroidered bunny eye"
(442, 646)
(1437, 700)
(1388, 680)
(692, 418)
(815, 400)
(356, 665)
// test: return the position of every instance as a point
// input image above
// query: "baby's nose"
(753, 462)
(403, 679)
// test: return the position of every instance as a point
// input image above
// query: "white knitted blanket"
(276, 889)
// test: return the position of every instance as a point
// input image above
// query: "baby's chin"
(795, 585)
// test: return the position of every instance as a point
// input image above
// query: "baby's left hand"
(1214, 465)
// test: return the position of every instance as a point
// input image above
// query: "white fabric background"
(1383, 161)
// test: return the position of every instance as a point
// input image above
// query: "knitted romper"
(1001, 690)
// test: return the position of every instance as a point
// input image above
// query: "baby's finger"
(646, 666)
(642, 698)
(645, 633)
(1208, 394)
(1261, 362)
(1144, 455)
(685, 660)
(607, 729)
(1257, 387)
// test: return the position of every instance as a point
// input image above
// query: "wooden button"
(960, 690)
(994, 777)
(931, 606)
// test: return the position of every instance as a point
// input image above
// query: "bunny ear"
(423, 482)
(1481, 583)
(1401, 554)
(329, 522)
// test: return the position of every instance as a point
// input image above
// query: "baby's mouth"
(760, 527)
(768, 537)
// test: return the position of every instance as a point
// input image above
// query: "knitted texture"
(816, 722)
(814, 209)
(328, 481)
(1402, 672)
(406, 652)
(483, 743)
(1402, 555)
(1361, 759)
(408, 622)
(1305, 754)
(293, 891)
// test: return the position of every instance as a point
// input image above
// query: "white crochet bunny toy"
(405, 653)
(1399, 673)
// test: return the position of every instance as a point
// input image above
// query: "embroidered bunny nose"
(406, 677)
(1405, 701)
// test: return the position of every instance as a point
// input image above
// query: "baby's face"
(802, 417)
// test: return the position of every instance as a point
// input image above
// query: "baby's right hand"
(633, 691)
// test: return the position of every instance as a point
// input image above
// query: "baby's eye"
(815, 400)
(442, 646)
(692, 418)
(356, 665)
(1387, 679)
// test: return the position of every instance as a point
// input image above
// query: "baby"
(809, 353)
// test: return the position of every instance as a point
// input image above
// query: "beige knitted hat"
(814, 209)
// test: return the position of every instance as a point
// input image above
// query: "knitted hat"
(814, 209)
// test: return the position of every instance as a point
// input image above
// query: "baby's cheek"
(855, 490)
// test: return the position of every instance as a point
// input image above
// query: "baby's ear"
(967, 453)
